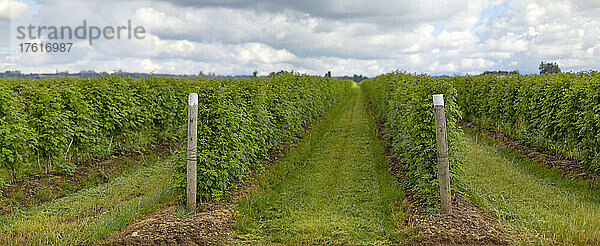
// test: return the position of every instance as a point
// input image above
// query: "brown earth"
(37, 189)
(466, 225)
(209, 225)
(571, 168)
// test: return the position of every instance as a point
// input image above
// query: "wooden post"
(191, 150)
(442, 153)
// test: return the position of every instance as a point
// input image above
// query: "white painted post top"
(438, 99)
(193, 99)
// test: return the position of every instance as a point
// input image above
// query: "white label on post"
(193, 99)
(438, 99)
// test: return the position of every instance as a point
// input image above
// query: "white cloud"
(534, 13)
(256, 52)
(470, 63)
(159, 20)
(5, 66)
(13, 9)
(509, 42)
(346, 37)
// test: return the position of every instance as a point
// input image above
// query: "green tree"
(547, 67)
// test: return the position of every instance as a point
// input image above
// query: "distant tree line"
(505, 73)
(355, 78)
(273, 74)
(547, 67)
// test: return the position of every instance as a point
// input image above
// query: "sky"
(346, 37)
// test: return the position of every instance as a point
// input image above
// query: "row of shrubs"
(404, 103)
(239, 121)
(54, 125)
(50, 125)
(57, 124)
(553, 112)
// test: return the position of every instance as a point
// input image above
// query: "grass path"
(333, 188)
(531, 199)
(90, 215)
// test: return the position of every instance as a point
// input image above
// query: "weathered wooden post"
(191, 150)
(442, 153)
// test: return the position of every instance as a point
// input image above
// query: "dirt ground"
(210, 225)
(466, 225)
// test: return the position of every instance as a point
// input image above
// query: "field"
(297, 159)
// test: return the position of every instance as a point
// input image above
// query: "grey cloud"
(4, 33)
(346, 37)
(388, 11)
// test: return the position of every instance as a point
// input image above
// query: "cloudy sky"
(311, 36)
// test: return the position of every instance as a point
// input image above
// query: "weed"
(67, 186)
(43, 194)
(18, 195)
(92, 179)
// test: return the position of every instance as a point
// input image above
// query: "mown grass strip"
(334, 188)
(92, 214)
(530, 198)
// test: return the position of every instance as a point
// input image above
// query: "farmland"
(298, 159)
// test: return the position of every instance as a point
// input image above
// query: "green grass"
(43, 194)
(333, 188)
(91, 214)
(531, 199)
(3, 176)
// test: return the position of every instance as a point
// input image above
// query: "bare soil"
(209, 225)
(466, 225)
